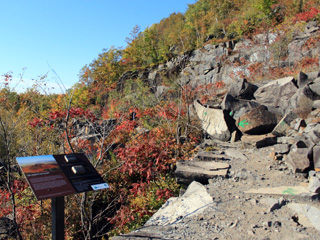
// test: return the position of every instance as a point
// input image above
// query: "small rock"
(314, 184)
(316, 158)
(267, 224)
(281, 202)
(253, 201)
(272, 203)
(276, 224)
(298, 160)
(281, 148)
(251, 233)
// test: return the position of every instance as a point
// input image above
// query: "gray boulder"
(276, 94)
(258, 141)
(316, 158)
(200, 171)
(303, 99)
(305, 78)
(314, 184)
(237, 107)
(283, 127)
(315, 88)
(257, 121)
(298, 161)
(242, 89)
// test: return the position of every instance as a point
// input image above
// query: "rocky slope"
(257, 173)
(235, 210)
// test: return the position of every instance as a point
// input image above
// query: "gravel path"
(236, 214)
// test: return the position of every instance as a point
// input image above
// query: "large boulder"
(314, 87)
(257, 121)
(304, 99)
(305, 78)
(200, 171)
(308, 95)
(258, 141)
(276, 94)
(195, 200)
(312, 132)
(216, 122)
(283, 125)
(237, 107)
(242, 89)
(298, 160)
(302, 79)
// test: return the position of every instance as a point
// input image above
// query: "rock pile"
(277, 113)
(260, 163)
(265, 184)
(271, 114)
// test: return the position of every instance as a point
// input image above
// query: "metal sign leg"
(57, 208)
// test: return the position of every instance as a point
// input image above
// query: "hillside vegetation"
(130, 134)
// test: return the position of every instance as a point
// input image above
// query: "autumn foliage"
(132, 137)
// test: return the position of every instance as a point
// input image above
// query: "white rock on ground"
(213, 121)
(308, 215)
(194, 201)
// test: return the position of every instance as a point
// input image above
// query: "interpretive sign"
(52, 176)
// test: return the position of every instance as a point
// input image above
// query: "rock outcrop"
(264, 183)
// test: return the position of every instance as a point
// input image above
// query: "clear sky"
(61, 36)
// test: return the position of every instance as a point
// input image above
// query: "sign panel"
(51, 176)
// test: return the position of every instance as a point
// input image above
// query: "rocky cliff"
(257, 173)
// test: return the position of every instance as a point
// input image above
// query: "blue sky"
(61, 36)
